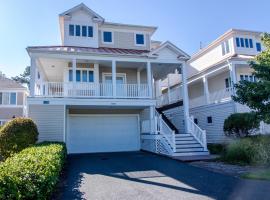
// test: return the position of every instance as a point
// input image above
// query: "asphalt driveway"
(139, 175)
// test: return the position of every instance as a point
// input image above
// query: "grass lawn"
(261, 175)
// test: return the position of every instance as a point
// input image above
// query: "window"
(228, 83)
(84, 31)
(8, 98)
(250, 78)
(246, 43)
(195, 120)
(107, 36)
(250, 43)
(241, 77)
(258, 47)
(71, 30)
(84, 75)
(78, 30)
(91, 76)
(242, 42)
(78, 75)
(70, 77)
(90, 31)
(140, 39)
(225, 48)
(13, 98)
(237, 42)
(209, 120)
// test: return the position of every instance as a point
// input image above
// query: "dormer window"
(90, 31)
(107, 37)
(139, 39)
(84, 31)
(78, 30)
(71, 30)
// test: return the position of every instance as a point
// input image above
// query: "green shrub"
(216, 148)
(33, 172)
(241, 124)
(251, 150)
(16, 135)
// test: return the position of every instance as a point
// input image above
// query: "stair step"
(191, 153)
(186, 142)
(188, 145)
(184, 139)
(183, 135)
(195, 149)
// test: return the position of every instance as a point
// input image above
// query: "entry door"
(120, 83)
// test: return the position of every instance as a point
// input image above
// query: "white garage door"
(103, 133)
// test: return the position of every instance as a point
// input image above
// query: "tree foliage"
(256, 95)
(23, 78)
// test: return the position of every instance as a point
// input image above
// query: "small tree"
(241, 124)
(23, 78)
(256, 95)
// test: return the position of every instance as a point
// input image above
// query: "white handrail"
(198, 133)
(163, 129)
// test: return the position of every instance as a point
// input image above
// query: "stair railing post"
(204, 141)
(174, 145)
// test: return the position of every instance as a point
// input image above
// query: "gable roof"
(82, 6)
(6, 84)
(181, 54)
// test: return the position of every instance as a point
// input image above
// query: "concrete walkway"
(138, 175)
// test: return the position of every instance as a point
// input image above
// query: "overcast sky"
(186, 23)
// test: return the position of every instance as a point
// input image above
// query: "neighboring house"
(96, 93)
(211, 73)
(12, 99)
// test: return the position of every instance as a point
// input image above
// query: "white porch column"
(149, 79)
(169, 89)
(74, 63)
(206, 91)
(185, 97)
(114, 78)
(33, 76)
(151, 119)
(138, 81)
(96, 78)
(232, 75)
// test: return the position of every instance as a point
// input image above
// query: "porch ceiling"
(161, 70)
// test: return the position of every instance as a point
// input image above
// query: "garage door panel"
(103, 133)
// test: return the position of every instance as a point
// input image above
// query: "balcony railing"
(88, 90)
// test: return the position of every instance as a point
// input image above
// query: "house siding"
(124, 40)
(50, 120)
(9, 112)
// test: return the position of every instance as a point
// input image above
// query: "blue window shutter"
(258, 47)
(246, 43)
(242, 42)
(90, 31)
(107, 36)
(139, 39)
(78, 30)
(71, 30)
(91, 76)
(84, 31)
(237, 42)
(78, 75)
(250, 43)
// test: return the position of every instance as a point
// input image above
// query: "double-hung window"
(139, 39)
(225, 47)
(71, 30)
(258, 47)
(90, 31)
(107, 37)
(8, 98)
(84, 31)
(78, 30)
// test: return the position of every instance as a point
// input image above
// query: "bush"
(216, 148)
(16, 135)
(33, 172)
(241, 124)
(251, 150)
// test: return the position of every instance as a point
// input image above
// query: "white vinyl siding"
(50, 120)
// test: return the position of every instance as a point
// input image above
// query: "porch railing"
(62, 89)
(198, 133)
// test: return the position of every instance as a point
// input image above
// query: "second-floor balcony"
(91, 90)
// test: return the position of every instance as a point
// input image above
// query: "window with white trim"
(139, 39)
(8, 98)
(246, 77)
(225, 48)
(82, 75)
(107, 37)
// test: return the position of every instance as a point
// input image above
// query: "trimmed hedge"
(16, 135)
(33, 172)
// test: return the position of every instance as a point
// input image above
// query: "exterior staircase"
(177, 144)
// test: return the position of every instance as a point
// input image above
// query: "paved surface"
(137, 175)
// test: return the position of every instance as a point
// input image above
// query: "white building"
(96, 91)
(211, 73)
